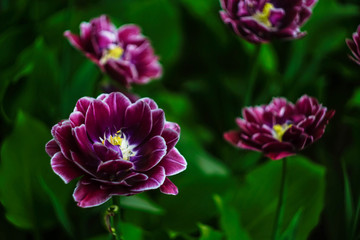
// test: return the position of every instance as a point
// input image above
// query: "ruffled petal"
(89, 194)
(64, 168)
(52, 147)
(156, 179)
(169, 187)
(97, 120)
(138, 122)
(173, 163)
(149, 154)
(118, 103)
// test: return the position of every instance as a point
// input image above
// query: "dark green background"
(225, 193)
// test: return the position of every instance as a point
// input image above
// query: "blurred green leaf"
(24, 161)
(291, 231)
(82, 84)
(207, 233)
(268, 58)
(230, 221)
(355, 99)
(58, 206)
(34, 87)
(208, 12)
(258, 197)
(140, 203)
(164, 29)
(131, 232)
(348, 198)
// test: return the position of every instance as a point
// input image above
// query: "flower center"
(279, 130)
(112, 53)
(119, 139)
(263, 16)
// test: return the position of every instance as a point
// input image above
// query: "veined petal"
(89, 194)
(64, 168)
(138, 122)
(156, 179)
(169, 187)
(97, 120)
(173, 163)
(149, 154)
(52, 147)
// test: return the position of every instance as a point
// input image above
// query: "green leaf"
(258, 197)
(141, 203)
(355, 100)
(207, 233)
(291, 231)
(82, 84)
(24, 162)
(164, 29)
(208, 12)
(348, 198)
(34, 86)
(230, 221)
(131, 232)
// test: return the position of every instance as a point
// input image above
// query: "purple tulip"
(124, 54)
(354, 46)
(116, 147)
(281, 128)
(260, 21)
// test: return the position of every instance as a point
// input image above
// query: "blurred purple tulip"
(354, 46)
(124, 54)
(116, 147)
(281, 128)
(260, 21)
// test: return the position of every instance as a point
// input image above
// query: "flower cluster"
(354, 46)
(124, 53)
(260, 21)
(116, 147)
(281, 128)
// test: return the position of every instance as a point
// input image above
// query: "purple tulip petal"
(138, 122)
(90, 194)
(52, 147)
(278, 150)
(173, 163)
(169, 188)
(117, 103)
(76, 119)
(149, 154)
(64, 138)
(83, 104)
(104, 153)
(64, 168)
(158, 117)
(114, 166)
(156, 179)
(152, 104)
(97, 120)
(74, 40)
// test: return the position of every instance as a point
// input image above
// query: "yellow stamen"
(263, 16)
(120, 140)
(113, 53)
(279, 130)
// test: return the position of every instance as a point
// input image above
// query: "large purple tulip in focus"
(260, 21)
(354, 46)
(281, 128)
(116, 147)
(124, 53)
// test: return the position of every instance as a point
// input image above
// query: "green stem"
(280, 206)
(253, 74)
(117, 218)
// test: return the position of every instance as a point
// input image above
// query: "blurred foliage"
(225, 193)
